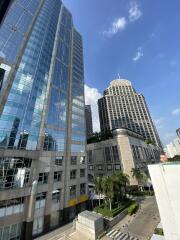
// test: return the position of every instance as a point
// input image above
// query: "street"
(142, 224)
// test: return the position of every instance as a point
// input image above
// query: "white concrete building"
(166, 183)
(124, 151)
(173, 148)
(122, 106)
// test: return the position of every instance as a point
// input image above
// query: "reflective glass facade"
(78, 137)
(42, 120)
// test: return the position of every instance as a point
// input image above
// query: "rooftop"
(90, 215)
(120, 82)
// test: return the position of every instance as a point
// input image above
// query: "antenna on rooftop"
(119, 76)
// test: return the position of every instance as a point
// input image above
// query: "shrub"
(133, 208)
(159, 231)
(104, 210)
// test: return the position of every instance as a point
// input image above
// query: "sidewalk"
(58, 234)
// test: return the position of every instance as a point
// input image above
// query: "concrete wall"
(166, 183)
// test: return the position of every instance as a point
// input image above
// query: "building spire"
(119, 76)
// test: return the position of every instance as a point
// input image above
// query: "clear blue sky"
(140, 40)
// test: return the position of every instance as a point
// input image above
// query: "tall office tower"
(88, 117)
(121, 106)
(4, 5)
(42, 121)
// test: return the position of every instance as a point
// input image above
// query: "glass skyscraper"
(43, 177)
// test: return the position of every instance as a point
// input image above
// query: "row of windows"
(108, 167)
(110, 154)
(43, 177)
(73, 190)
(12, 206)
(141, 153)
(73, 173)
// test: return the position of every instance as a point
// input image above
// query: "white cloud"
(176, 111)
(139, 54)
(91, 97)
(116, 26)
(134, 12)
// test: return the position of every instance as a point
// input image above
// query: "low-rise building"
(124, 151)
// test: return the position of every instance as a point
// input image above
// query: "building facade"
(166, 181)
(88, 116)
(126, 150)
(173, 148)
(43, 180)
(121, 106)
(4, 5)
(178, 132)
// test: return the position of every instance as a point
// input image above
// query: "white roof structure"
(120, 82)
(157, 237)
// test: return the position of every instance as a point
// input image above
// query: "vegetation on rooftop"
(101, 136)
(174, 159)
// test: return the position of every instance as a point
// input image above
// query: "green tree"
(108, 190)
(121, 181)
(98, 187)
(136, 173)
(175, 158)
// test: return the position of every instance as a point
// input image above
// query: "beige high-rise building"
(122, 106)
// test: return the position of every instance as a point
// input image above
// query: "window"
(12, 206)
(57, 176)
(90, 156)
(73, 174)
(82, 160)
(82, 172)
(59, 161)
(43, 178)
(73, 160)
(11, 232)
(107, 154)
(117, 167)
(109, 167)
(72, 191)
(38, 225)
(82, 188)
(115, 153)
(100, 167)
(15, 172)
(40, 200)
(56, 196)
(91, 167)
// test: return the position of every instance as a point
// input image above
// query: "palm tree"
(98, 187)
(104, 186)
(121, 181)
(110, 191)
(136, 173)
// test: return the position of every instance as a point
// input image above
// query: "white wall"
(166, 182)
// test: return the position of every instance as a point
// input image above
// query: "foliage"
(159, 231)
(149, 141)
(116, 209)
(112, 187)
(175, 158)
(98, 187)
(142, 193)
(101, 136)
(133, 208)
(140, 176)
